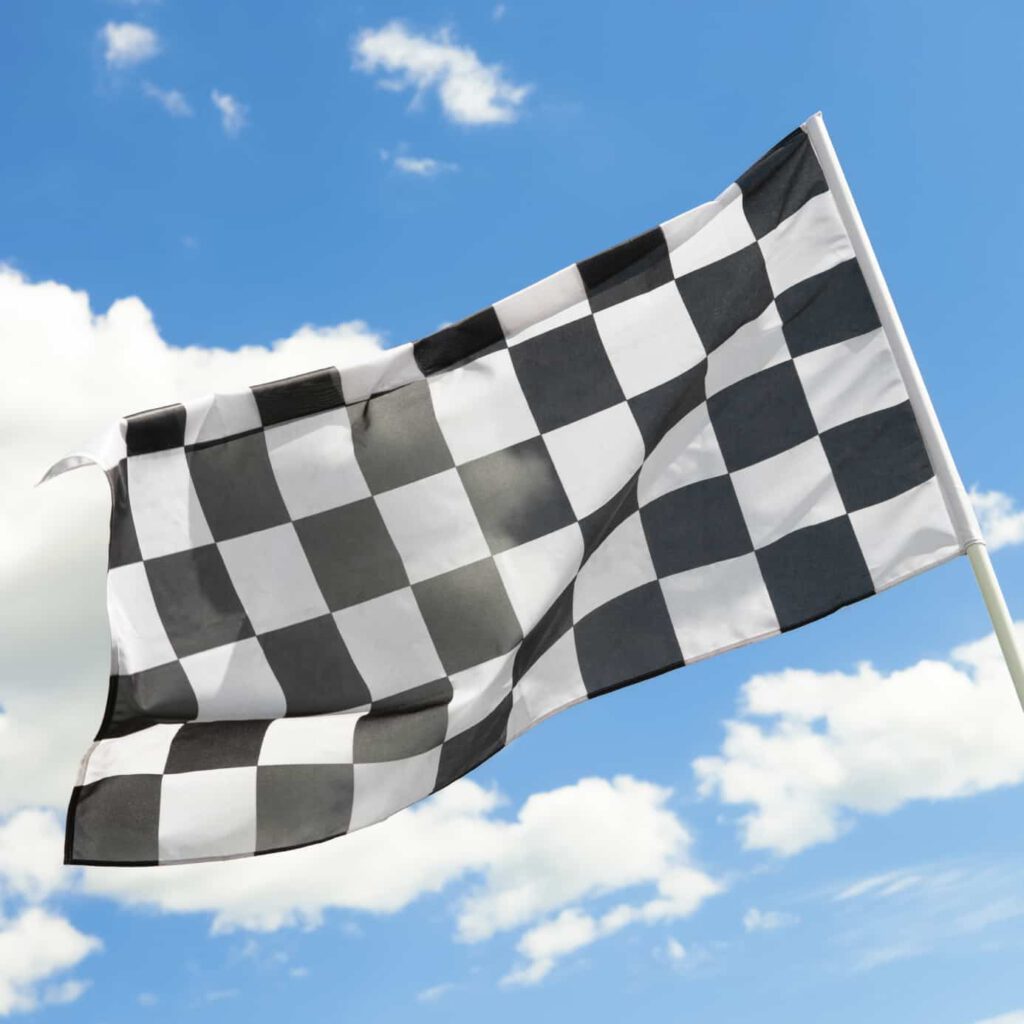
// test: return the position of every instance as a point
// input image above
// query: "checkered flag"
(333, 595)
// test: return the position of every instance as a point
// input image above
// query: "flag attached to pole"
(333, 595)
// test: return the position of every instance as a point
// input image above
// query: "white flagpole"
(960, 511)
(998, 613)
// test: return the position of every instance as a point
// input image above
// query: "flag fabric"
(332, 595)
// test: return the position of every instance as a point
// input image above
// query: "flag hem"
(961, 514)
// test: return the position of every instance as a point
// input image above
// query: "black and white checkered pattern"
(333, 595)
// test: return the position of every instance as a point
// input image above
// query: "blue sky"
(220, 175)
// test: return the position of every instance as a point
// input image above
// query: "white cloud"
(147, 999)
(470, 91)
(622, 836)
(34, 947)
(755, 920)
(542, 946)
(435, 992)
(620, 833)
(171, 100)
(234, 115)
(378, 870)
(814, 748)
(1002, 523)
(30, 864)
(128, 43)
(72, 371)
(423, 166)
(1013, 1017)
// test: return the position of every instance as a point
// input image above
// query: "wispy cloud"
(755, 920)
(417, 166)
(691, 959)
(889, 884)
(234, 115)
(1013, 1017)
(920, 909)
(674, 950)
(171, 100)
(423, 166)
(470, 92)
(64, 992)
(887, 953)
(128, 43)
(435, 992)
(1002, 522)
(219, 995)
